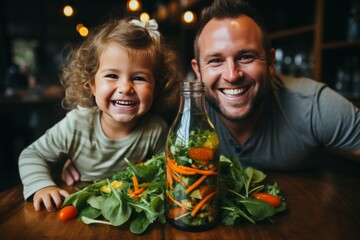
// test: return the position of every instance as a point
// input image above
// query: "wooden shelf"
(292, 32)
(341, 44)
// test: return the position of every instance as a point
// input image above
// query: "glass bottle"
(192, 164)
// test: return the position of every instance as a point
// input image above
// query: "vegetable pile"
(136, 196)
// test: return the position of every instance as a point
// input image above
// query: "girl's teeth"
(127, 103)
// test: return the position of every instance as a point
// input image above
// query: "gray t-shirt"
(79, 136)
(301, 116)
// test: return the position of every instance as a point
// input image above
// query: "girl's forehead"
(119, 53)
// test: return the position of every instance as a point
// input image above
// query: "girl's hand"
(69, 174)
(50, 197)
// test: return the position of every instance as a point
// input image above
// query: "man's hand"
(50, 197)
(69, 174)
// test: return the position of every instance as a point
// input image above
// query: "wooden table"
(321, 204)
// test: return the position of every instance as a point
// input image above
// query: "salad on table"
(136, 195)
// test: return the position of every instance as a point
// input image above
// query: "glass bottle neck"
(193, 102)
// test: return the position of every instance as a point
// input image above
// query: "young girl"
(115, 82)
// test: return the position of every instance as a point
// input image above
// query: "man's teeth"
(234, 92)
(127, 103)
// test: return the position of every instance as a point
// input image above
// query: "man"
(264, 120)
(267, 121)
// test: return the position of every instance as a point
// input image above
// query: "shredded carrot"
(176, 202)
(177, 178)
(177, 169)
(201, 203)
(195, 184)
(169, 177)
(133, 195)
(135, 182)
(194, 166)
(140, 190)
(199, 171)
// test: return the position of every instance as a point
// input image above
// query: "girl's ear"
(92, 85)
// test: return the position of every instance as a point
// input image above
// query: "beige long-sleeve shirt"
(79, 137)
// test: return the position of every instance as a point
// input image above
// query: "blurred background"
(313, 38)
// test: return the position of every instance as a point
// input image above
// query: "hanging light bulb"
(83, 31)
(144, 17)
(68, 11)
(134, 5)
(188, 17)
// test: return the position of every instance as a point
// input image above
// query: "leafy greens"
(117, 200)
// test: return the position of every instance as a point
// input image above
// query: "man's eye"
(216, 60)
(246, 58)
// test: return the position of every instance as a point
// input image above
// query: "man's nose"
(232, 72)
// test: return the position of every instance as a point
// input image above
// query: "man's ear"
(196, 69)
(272, 62)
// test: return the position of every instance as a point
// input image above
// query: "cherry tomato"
(68, 213)
(176, 212)
(268, 198)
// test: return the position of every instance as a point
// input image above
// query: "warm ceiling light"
(134, 5)
(161, 13)
(189, 17)
(83, 31)
(78, 26)
(68, 11)
(144, 17)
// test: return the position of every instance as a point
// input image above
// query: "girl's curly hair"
(82, 64)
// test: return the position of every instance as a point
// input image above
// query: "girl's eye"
(138, 78)
(113, 76)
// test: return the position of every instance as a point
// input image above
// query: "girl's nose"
(126, 87)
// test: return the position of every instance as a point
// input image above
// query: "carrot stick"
(176, 202)
(169, 178)
(194, 166)
(195, 184)
(133, 195)
(177, 178)
(135, 182)
(177, 169)
(140, 190)
(201, 203)
(199, 171)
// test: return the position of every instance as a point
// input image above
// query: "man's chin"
(232, 113)
(235, 114)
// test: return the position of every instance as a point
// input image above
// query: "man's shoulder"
(297, 85)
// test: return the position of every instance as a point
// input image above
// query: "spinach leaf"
(139, 224)
(258, 209)
(115, 208)
(89, 212)
(96, 201)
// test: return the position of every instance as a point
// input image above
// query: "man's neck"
(243, 129)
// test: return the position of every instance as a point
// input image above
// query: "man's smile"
(234, 92)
